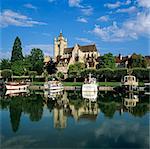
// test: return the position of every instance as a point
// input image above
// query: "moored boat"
(54, 85)
(16, 86)
(130, 82)
(90, 85)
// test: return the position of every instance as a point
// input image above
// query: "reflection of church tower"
(60, 120)
(59, 44)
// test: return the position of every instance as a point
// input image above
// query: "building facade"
(64, 56)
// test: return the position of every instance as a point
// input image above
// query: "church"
(64, 56)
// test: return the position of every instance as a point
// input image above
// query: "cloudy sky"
(117, 26)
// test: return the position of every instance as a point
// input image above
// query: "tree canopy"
(74, 70)
(17, 51)
(5, 64)
(137, 61)
(107, 61)
(36, 60)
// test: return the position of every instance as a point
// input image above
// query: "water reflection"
(79, 106)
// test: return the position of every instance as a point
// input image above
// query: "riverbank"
(112, 84)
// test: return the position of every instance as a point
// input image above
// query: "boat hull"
(16, 87)
(89, 88)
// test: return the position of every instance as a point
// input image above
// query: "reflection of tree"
(108, 108)
(4, 104)
(50, 105)
(109, 97)
(140, 110)
(75, 98)
(15, 113)
(33, 105)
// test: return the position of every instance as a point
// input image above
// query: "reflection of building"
(65, 56)
(60, 118)
(89, 110)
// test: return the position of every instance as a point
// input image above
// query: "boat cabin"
(130, 80)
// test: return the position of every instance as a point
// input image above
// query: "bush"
(6, 73)
(60, 75)
(141, 73)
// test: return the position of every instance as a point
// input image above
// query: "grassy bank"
(113, 84)
(80, 83)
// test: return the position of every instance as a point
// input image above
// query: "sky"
(116, 26)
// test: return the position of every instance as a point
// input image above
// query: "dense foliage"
(74, 70)
(5, 64)
(36, 59)
(17, 51)
(107, 61)
(6, 73)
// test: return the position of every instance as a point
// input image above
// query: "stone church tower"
(60, 44)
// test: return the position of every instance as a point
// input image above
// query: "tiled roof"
(87, 48)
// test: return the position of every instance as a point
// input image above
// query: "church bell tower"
(59, 44)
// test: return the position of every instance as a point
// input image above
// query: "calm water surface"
(75, 120)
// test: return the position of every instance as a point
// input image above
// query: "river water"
(72, 119)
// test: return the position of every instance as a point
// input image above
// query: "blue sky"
(120, 26)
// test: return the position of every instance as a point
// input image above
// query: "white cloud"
(74, 3)
(46, 48)
(127, 10)
(83, 20)
(104, 18)
(5, 54)
(130, 29)
(121, 129)
(9, 17)
(144, 3)
(87, 10)
(85, 40)
(113, 5)
(30, 6)
(117, 4)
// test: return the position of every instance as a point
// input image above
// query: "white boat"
(53, 85)
(147, 88)
(16, 86)
(130, 82)
(90, 85)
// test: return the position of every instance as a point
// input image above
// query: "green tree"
(51, 67)
(5, 64)
(105, 74)
(45, 74)
(27, 65)
(6, 73)
(32, 74)
(36, 59)
(18, 68)
(119, 73)
(137, 61)
(74, 70)
(17, 51)
(60, 75)
(141, 73)
(107, 61)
